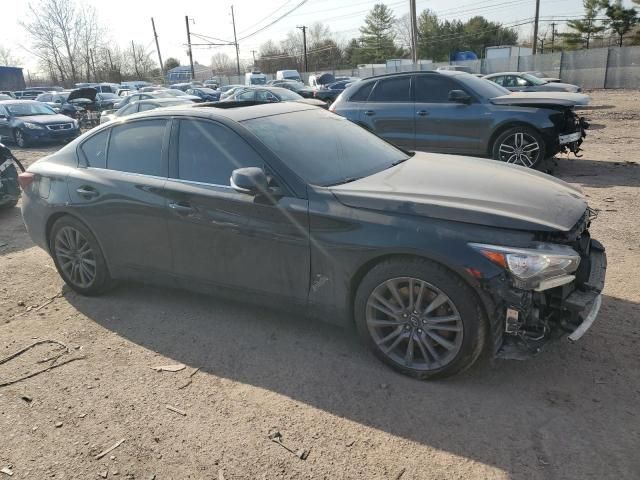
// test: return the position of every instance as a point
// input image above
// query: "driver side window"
(521, 82)
(249, 95)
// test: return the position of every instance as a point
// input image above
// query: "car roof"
(505, 73)
(450, 73)
(163, 100)
(17, 100)
(235, 113)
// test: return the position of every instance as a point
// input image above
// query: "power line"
(265, 18)
(274, 21)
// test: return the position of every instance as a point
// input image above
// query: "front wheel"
(19, 138)
(420, 318)
(78, 257)
(520, 146)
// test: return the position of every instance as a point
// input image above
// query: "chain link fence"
(617, 67)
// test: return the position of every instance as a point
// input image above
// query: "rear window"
(95, 150)
(392, 90)
(363, 93)
(137, 148)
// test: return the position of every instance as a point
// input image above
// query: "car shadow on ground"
(13, 235)
(527, 418)
(598, 174)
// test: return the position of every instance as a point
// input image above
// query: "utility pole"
(304, 47)
(253, 52)
(535, 27)
(135, 59)
(553, 34)
(235, 41)
(414, 31)
(193, 73)
(155, 35)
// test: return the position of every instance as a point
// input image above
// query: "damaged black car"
(435, 258)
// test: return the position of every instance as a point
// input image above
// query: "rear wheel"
(520, 146)
(419, 318)
(78, 257)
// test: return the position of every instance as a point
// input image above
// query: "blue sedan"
(26, 122)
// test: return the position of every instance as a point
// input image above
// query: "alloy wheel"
(520, 149)
(414, 323)
(20, 141)
(75, 257)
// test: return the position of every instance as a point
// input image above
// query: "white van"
(288, 75)
(255, 78)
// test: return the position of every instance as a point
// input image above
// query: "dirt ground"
(570, 413)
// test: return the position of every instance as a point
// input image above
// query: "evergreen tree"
(585, 29)
(377, 36)
(621, 20)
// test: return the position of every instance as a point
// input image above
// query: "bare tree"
(7, 59)
(222, 64)
(55, 28)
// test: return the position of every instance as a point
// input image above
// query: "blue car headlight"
(32, 126)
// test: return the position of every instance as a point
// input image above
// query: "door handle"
(87, 192)
(422, 113)
(369, 112)
(182, 208)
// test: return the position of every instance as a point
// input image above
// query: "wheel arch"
(366, 267)
(53, 218)
(506, 126)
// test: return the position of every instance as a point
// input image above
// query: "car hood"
(46, 119)
(470, 190)
(564, 99)
(85, 93)
(555, 87)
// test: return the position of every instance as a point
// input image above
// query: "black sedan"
(269, 95)
(455, 112)
(435, 258)
(332, 91)
(26, 122)
(204, 94)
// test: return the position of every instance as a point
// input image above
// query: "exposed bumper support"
(588, 321)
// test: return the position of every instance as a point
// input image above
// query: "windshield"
(483, 87)
(286, 95)
(28, 109)
(335, 150)
(533, 79)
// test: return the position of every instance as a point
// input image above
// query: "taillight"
(25, 179)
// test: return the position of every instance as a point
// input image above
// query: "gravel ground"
(570, 413)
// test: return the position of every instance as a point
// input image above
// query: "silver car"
(141, 106)
(525, 82)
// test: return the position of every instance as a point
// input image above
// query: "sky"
(127, 20)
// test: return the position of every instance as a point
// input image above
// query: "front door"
(119, 194)
(222, 237)
(446, 126)
(389, 111)
(5, 129)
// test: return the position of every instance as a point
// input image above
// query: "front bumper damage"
(525, 320)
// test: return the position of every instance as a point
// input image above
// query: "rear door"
(445, 126)
(389, 111)
(118, 192)
(5, 129)
(221, 237)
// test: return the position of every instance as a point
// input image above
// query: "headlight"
(33, 126)
(75, 124)
(529, 266)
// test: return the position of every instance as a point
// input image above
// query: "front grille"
(60, 126)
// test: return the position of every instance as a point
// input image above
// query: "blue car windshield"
(29, 109)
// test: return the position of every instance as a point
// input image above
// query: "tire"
(19, 138)
(517, 145)
(70, 241)
(10, 204)
(421, 326)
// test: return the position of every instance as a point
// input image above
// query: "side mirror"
(459, 96)
(250, 180)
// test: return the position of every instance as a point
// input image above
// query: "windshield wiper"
(342, 182)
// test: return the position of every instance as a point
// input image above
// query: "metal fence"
(616, 67)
